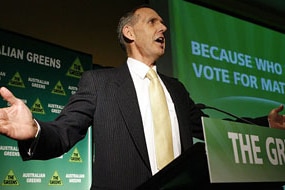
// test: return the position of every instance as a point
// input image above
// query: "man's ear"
(128, 33)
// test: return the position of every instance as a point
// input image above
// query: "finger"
(279, 109)
(7, 95)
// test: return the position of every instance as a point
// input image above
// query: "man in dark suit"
(115, 103)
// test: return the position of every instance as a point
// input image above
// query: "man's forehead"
(147, 13)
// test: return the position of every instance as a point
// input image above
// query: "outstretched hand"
(275, 119)
(16, 121)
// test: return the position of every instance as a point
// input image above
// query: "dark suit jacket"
(106, 100)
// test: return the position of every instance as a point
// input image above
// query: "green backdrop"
(44, 76)
(226, 62)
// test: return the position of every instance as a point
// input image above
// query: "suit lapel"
(184, 129)
(128, 104)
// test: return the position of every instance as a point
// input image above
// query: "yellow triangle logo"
(58, 89)
(75, 69)
(17, 81)
(37, 107)
(10, 179)
(75, 157)
(55, 179)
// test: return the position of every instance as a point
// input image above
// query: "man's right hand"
(276, 119)
(16, 121)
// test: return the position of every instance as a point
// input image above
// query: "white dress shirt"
(138, 72)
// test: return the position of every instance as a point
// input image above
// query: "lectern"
(231, 157)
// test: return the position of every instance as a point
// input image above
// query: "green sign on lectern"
(239, 152)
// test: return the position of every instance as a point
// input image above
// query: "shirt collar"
(138, 67)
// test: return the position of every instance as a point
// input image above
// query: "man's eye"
(152, 21)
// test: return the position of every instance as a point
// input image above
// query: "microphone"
(203, 106)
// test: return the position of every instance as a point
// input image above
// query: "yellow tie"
(161, 121)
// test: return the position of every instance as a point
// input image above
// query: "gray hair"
(128, 18)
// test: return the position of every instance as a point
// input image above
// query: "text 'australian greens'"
(29, 56)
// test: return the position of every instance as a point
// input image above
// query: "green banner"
(44, 76)
(240, 152)
(225, 61)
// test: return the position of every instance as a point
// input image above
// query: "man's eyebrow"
(156, 19)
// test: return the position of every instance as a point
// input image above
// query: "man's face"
(148, 31)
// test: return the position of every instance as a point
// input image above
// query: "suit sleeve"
(59, 136)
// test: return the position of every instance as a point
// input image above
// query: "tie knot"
(151, 74)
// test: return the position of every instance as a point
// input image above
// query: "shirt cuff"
(39, 128)
(35, 141)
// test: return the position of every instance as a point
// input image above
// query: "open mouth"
(160, 40)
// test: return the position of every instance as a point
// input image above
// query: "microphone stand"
(203, 106)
